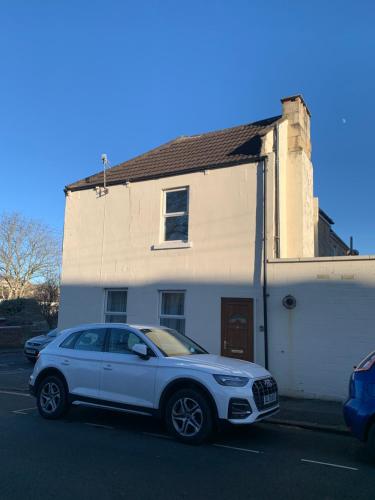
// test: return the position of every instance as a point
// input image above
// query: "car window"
(366, 363)
(122, 341)
(91, 340)
(172, 343)
(86, 340)
(69, 342)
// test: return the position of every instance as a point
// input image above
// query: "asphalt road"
(15, 370)
(98, 454)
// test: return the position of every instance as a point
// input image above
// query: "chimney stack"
(298, 115)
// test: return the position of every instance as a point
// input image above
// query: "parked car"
(34, 345)
(359, 410)
(151, 370)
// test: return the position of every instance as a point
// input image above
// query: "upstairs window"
(176, 214)
(115, 306)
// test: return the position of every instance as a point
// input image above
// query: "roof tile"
(186, 154)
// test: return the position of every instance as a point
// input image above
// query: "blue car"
(359, 410)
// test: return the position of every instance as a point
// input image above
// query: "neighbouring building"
(175, 237)
(329, 243)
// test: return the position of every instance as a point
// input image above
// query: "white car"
(150, 370)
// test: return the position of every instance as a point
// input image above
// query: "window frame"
(171, 316)
(174, 214)
(113, 313)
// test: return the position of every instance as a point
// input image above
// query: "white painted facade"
(108, 243)
(114, 240)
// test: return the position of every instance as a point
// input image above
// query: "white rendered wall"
(108, 240)
(313, 348)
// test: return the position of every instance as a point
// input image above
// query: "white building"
(176, 238)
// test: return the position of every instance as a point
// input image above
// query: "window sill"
(170, 245)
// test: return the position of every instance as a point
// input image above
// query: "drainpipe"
(277, 191)
(265, 316)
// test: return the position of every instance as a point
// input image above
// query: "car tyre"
(371, 439)
(188, 416)
(52, 398)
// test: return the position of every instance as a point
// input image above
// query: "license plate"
(269, 398)
(30, 351)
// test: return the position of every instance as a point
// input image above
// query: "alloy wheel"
(50, 397)
(187, 417)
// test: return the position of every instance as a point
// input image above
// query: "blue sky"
(80, 78)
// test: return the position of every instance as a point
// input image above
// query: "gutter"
(213, 166)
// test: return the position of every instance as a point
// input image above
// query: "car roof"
(109, 325)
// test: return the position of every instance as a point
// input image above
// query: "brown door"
(237, 328)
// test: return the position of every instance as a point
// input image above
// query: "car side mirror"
(140, 350)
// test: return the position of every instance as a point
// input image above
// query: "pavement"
(312, 414)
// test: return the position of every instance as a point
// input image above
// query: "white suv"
(154, 371)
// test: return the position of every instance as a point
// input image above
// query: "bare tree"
(29, 252)
(47, 295)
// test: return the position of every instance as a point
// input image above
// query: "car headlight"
(232, 380)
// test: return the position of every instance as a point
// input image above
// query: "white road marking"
(14, 393)
(23, 410)
(236, 448)
(99, 425)
(328, 464)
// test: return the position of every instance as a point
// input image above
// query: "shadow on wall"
(312, 348)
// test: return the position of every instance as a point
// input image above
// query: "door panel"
(126, 378)
(82, 364)
(237, 328)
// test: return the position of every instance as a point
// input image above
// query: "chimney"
(298, 115)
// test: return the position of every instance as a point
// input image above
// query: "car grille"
(263, 388)
(33, 344)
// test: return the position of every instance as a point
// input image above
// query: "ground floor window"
(172, 310)
(115, 306)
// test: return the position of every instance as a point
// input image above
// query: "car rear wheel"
(188, 416)
(52, 397)
(371, 439)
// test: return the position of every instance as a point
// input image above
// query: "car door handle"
(65, 362)
(108, 367)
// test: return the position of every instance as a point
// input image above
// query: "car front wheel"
(188, 416)
(52, 398)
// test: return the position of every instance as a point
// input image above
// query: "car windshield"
(172, 343)
(366, 363)
(52, 333)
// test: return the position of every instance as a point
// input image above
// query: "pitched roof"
(185, 154)
(325, 216)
